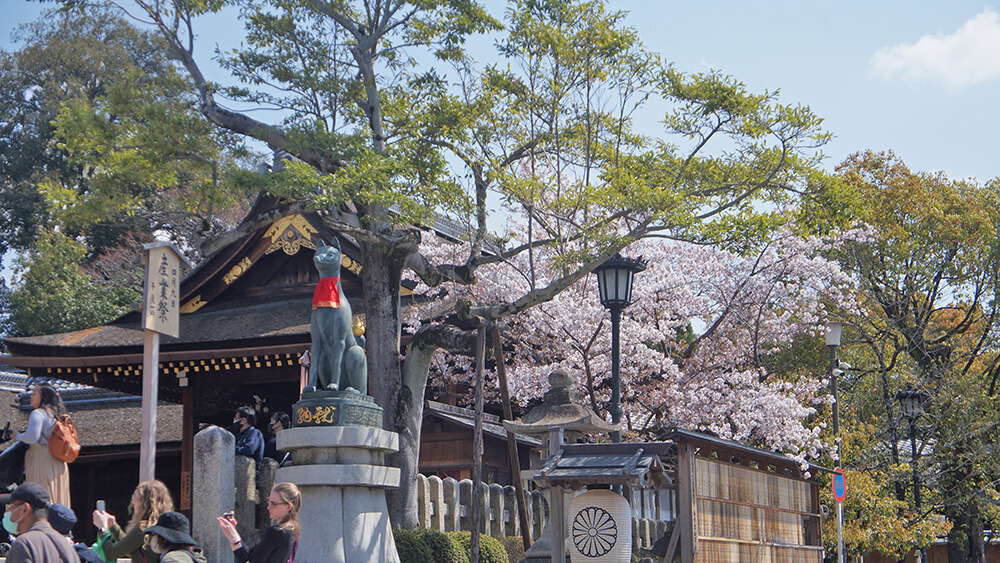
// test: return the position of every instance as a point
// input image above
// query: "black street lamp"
(833, 331)
(614, 282)
(911, 403)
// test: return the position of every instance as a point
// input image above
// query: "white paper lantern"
(600, 527)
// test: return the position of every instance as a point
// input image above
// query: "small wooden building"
(719, 501)
(738, 503)
(446, 445)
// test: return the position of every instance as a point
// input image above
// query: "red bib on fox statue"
(326, 294)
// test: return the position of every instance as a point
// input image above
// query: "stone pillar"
(342, 475)
(214, 490)
(245, 505)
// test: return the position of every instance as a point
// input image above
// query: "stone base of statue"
(338, 462)
(336, 408)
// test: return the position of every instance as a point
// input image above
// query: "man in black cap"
(27, 516)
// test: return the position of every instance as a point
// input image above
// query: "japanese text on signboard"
(162, 291)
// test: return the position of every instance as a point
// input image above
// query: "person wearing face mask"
(171, 538)
(249, 440)
(27, 517)
(279, 421)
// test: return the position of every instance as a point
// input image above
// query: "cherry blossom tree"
(699, 341)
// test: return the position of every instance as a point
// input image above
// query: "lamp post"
(614, 282)
(833, 330)
(912, 404)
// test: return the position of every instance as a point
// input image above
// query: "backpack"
(63, 443)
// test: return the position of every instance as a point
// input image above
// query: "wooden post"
(161, 314)
(557, 512)
(512, 455)
(187, 445)
(687, 507)
(150, 391)
(477, 447)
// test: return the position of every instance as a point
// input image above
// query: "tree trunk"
(380, 275)
(428, 339)
(965, 540)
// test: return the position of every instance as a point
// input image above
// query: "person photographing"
(280, 540)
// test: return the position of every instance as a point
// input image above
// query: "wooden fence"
(444, 504)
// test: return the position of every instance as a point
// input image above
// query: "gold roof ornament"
(290, 234)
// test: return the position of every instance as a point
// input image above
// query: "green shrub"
(514, 546)
(411, 547)
(444, 548)
(490, 548)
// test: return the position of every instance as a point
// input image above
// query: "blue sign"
(839, 486)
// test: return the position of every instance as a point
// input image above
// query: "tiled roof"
(232, 321)
(101, 417)
(467, 418)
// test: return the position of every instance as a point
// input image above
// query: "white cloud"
(966, 57)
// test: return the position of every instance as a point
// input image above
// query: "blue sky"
(919, 78)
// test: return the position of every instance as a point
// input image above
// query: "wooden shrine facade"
(245, 315)
(244, 324)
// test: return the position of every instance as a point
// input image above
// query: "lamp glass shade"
(911, 402)
(833, 330)
(615, 286)
(614, 280)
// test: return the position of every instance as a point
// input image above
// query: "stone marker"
(214, 490)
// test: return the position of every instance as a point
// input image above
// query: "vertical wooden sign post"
(161, 315)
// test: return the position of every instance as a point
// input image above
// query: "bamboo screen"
(746, 515)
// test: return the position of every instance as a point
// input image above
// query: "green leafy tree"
(380, 98)
(101, 137)
(875, 521)
(53, 294)
(65, 56)
(928, 279)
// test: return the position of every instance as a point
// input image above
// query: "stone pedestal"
(541, 550)
(342, 475)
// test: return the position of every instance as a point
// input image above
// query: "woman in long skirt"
(39, 466)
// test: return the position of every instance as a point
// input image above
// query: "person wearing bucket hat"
(171, 538)
(27, 517)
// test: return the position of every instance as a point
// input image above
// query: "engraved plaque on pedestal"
(336, 408)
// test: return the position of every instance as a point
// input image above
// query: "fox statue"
(338, 360)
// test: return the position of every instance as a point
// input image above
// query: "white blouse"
(40, 423)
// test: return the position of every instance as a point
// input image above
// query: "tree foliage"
(392, 123)
(66, 56)
(52, 294)
(875, 521)
(102, 141)
(746, 376)
(928, 284)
